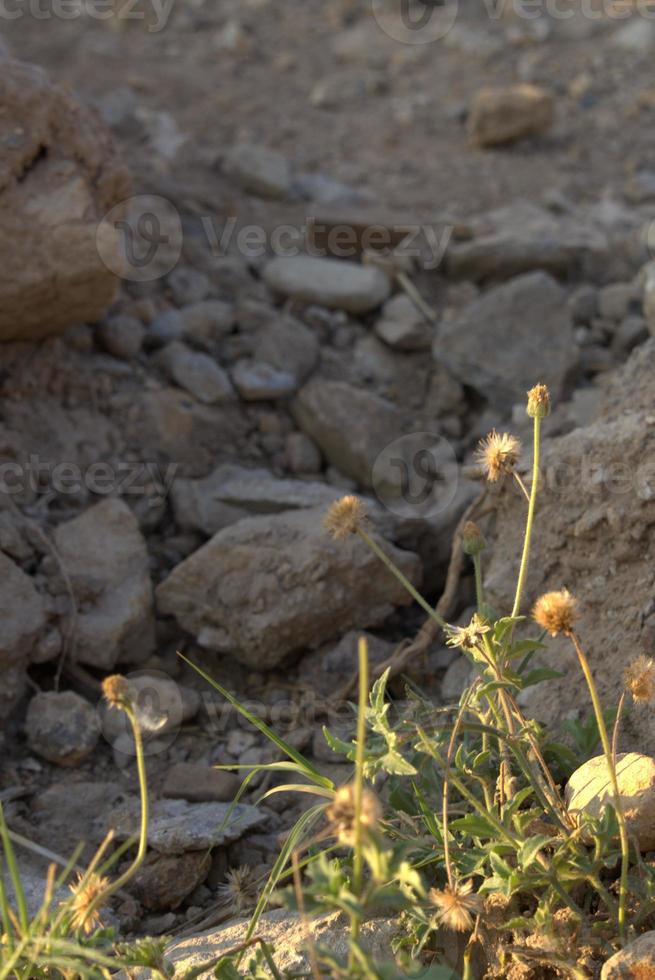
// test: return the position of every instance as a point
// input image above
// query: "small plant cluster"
(454, 825)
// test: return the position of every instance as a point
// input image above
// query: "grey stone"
(188, 285)
(350, 425)
(618, 299)
(177, 826)
(106, 559)
(165, 329)
(333, 283)
(200, 784)
(514, 336)
(636, 37)
(23, 620)
(632, 331)
(259, 170)
(208, 321)
(61, 727)
(288, 346)
(257, 381)
(164, 880)
(122, 336)
(648, 277)
(303, 456)
(270, 586)
(402, 326)
(197, 373)
(232, 492)
(583, 304)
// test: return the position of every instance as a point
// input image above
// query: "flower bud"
(538, 402)
(473, 541)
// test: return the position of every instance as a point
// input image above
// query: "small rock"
(257, 381)
(630, 333)
(188, 285)
(649, 295)
(197, 373)
(177, 827)
(350, 425)
(165, 329)
(504, 115)
(270, 586)
(589, 790)
(288, 346)
(636, 961)
(122, 336)
(61, 727)
(328, 282)
(303, 456)
(583, 304)
(402, 326)
(164, 880)
(200, 784)
(456, 679)
(207, 321)
(105, 556)
(617, 300)
(23, 620)
(259, 170)
(348, 86)
(637, 36)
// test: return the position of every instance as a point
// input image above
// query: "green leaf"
(530, 848)
(538, 675)
(474, 825)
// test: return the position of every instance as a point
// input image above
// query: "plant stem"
(415, 594)
(358, 858)
(618, 803)
(523, 570)
(479, 594)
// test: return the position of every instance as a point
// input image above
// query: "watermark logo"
(416, 475)
(159, 708)
(141, 239)
(415, 21)
(152, 14)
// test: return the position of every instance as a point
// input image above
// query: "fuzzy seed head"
(85, 893)
(469, 636)
(472, 539)
(640, 680)
(498, 454)
(344, 517)
(538, 402)
(457, 906)
(556, 612)
(341, 814)
(117, 691)
(239, 891)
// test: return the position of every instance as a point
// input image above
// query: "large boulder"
(60, 174)
(594, 533)
(23, 614)
(589, 790)
(105, 557)
(267, 587)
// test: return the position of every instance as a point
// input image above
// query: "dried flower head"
(117, 691)
(556, 612)
(538, 402)
(498, 454)
(341, 813)
(457, 906)
(472, 539)
(469, 636)
(640, 680)
(86, 891)
(239, 890)
(344, 517)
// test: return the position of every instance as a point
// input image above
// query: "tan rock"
(635, 962)
(589, 790)
(60, 174)
(504, 115)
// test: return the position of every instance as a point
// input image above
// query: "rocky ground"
(166, 462)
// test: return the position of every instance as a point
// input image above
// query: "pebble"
(402, 326)
(164, 880)
(197, 373)
(177, 826)
(200, 784)
(188, 285)
(259, 170)
(303, 456)
(62, 727)
(328, 282)
(636, 961)
(500, 116)
(122, 336)
(618, 299)
(258, 381)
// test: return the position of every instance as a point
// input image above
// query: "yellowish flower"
(341, 813)
(85, 915)
(344, 517)
(117, 691)
(469, 636)
(556, 612)
(538, 402)
(457, 906)
(640, 680)
(498, 454)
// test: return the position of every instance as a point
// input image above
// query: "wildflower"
(341, 813)
(86, 914)
(472, 539)
(117, 691)
(239, 891)
(469, 636)
(640, 680)
(538, 402)
(457, 906)
(556, 612)
(498, 454)
(344, 517)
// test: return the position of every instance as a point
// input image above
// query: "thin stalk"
(446, 780)
(415, 594)
(358, 856)
(479, 594)
(618, 803)
(522, 486)
(525, 558)
(617, 724)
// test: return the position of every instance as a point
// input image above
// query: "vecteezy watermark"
(159, 706)
(153, 14)
(39, 476)
(597, 10)
(141, 238)
(415, 21)
(416, 475)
